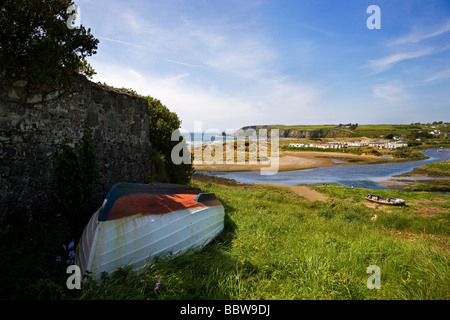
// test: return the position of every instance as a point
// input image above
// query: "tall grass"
(276, 245)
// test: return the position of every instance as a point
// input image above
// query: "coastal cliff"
(310, 132)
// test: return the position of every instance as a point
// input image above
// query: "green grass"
(370, 131)
(434, 169)
(294, 127)
(409, 218)
(385, 129)
(441, 185)
(277, 245)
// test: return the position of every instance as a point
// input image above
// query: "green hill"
(353, 130)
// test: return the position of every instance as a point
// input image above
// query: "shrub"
(162, 123)
(408, 153)
(76, 174)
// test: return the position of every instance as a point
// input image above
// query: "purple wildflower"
(70, 253)
(71, 245)
(157, 283)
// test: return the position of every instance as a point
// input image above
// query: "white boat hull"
(137, 239)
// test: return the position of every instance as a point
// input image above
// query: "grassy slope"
(435, 169)
(277, 245)
(385, 129)
(372, 131)
(440, 170)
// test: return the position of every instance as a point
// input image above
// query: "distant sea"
(197, 139)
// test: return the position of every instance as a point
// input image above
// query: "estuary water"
(362, 175)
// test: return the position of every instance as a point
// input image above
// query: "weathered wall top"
(35, 122)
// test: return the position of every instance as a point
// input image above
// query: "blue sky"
(232, 63)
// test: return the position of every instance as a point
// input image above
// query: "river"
(362, 175)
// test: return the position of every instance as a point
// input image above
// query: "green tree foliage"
(76, 174)
(163, 123)
(408, 153)
(36, 41)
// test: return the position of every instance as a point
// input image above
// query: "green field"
(385, 129)
(436, 169)
(277, 245)
(369, 131)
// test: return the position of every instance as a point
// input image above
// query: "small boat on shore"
(138, 222)
(390, 200)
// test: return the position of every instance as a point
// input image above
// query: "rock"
(35, 98)
(52, 95)
(20, 83)
(12, 94)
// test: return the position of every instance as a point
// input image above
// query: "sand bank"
(292, 160)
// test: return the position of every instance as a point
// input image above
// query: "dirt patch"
(304, 191)
(428, 201)
(374, 205)
(307, 192)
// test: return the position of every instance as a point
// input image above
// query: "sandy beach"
(292, 160)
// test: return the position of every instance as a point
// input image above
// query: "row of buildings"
(379, 144)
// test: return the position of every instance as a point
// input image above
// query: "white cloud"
(219, 71)
(393, 93)
(184, 63)
(440, 75)
(272, 100)
(240, 52)
(419, 34)
(126, 43)
(135, 73)
(408, 47)
(388, 62)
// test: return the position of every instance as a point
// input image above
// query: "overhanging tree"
(37, 43)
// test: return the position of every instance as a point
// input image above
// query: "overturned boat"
(138, 222)
(390, 200)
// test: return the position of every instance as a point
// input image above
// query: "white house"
(353, 144)
(378, 144)
(395, 145)
(297, 145)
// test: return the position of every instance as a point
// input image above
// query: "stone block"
(36, 98)
(52, 95)
(28, 194)
(92, 118)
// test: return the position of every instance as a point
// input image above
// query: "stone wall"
(35, 122)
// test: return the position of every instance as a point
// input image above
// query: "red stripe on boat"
(145, 203)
